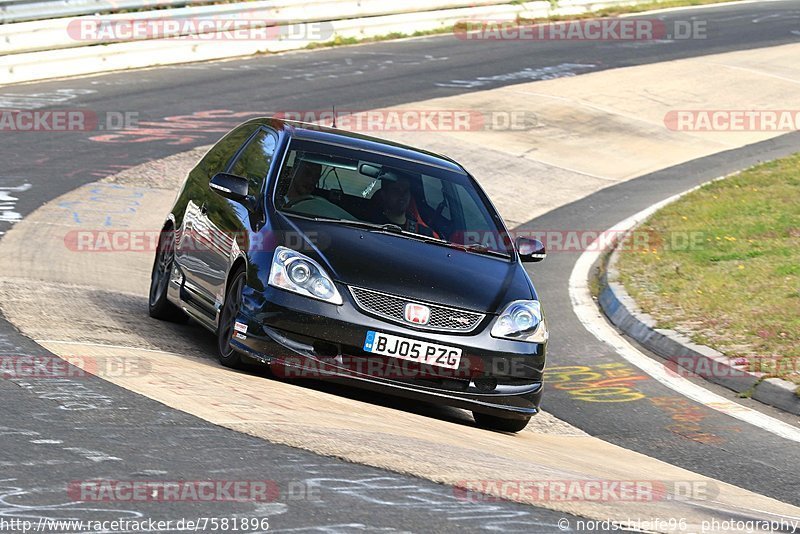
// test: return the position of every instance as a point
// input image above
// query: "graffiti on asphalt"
(609, 382)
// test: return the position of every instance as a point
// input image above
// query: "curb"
(686, 358)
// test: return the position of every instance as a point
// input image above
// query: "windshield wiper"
(362, 224)
(389, 227)
(481, 249)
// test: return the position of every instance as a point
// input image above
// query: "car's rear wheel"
(158, 304)
(502, 424)
(227, 320)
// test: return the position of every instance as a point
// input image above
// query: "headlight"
(300, 274)
(522, 320)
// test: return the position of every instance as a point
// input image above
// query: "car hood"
(410, 268)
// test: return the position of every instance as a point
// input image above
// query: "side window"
(218, 157)
(254, 161)
(215, 160)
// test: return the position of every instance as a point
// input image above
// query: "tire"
(227, 319)
(501, 424)
(158, 305)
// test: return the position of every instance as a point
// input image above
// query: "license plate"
(412, 350)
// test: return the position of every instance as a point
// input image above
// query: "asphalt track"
(709, 442)
(351, 78)
(359, 78)
(59, 430)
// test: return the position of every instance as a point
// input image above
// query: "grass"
(344, 41)
(723, 266)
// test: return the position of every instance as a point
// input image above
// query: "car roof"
(316, 132)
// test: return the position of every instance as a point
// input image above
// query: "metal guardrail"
(62, 33)
(37, 50)
(27, 10)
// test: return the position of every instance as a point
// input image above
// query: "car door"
(194, 238)
(230, 223)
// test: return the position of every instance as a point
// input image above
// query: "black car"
(343, 257)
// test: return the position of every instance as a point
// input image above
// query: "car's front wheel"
(502, 424)
(159, 306)
(227, 320)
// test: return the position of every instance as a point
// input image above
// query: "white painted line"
(8, 203)
(592, 319)
(41, 99)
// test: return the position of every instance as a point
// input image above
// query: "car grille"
(393, 307)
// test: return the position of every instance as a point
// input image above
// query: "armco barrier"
(40, 50)
(23, 10)
(58, 33)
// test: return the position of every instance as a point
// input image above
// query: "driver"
(300, 196)
(306, 177)
(396, 205)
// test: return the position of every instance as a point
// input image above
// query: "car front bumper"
(305, 338)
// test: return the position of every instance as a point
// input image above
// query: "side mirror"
(530, 250)
(229, 186)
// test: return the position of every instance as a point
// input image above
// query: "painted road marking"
(8, 203)
(41, 100)
(529, 75)
(608, 382)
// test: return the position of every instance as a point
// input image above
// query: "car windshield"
(328, 181)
